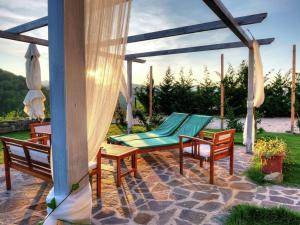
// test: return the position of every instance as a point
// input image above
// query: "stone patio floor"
(159, 196)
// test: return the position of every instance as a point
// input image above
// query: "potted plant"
(271, 153)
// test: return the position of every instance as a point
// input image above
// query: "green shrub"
(13, 115)
(120, 115)
(233, 121)
(151, 123)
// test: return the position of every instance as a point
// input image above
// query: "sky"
(282, 23)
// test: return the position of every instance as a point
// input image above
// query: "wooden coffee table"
(119, 152)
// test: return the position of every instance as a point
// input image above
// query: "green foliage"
(246, 214)
(235, 86)
(278, 95)
(52, 204)
(120, 115)
(142, 94)
(151, 123)
(75, 187)
(166, 95)
(233, 121)
(13, 115)
(291, 164)
(207, 96)
(183, 93)
(13, 90)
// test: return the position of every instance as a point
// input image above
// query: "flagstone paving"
(159, 196)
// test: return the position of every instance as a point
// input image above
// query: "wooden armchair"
(41, 129)
(29, 156)
(210, 147)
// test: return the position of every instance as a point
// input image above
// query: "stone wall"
(14, 125)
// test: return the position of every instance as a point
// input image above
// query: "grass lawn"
(291, 175)
(18, 135)
(254, 215)
(113, 130)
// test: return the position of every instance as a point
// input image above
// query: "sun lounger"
(167, 128)
(190, 127)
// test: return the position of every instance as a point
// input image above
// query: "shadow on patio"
(159, 196)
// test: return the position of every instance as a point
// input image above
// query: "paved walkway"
(160, 196)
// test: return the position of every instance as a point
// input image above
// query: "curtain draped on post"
(258, 86)
(34, 100)
(129, 99)
(106, 31)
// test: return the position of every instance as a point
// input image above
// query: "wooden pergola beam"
(215, 25)
(32, 25)
(196, 49)
(222, 12)
(23, 38)
(138, 60)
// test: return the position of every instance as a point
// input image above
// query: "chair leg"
(7, 178)
(98, 182)
(181, 159)
(211, 171)
(231, 165)
(201, 162)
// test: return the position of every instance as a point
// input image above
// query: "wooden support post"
(249, 142)
(67, 77)
(293, 96)
(150, 93)
(129, 86)
(222, 92)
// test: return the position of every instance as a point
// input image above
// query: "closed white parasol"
(34, 100)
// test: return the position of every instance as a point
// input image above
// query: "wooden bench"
(31, 156)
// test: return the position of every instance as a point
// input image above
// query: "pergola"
(66, 65)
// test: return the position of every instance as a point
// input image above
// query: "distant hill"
(13, 90)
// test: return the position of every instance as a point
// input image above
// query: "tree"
(278, 95)
(183, 93)
(207, 96)
(166, 93)
(142, 94)
(235, 86)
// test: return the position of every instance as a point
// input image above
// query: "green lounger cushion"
(165, 129)
(190, 127)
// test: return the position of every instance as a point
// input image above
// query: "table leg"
(134, 164)
(118, 172)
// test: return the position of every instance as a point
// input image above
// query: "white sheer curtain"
(106, 30)
(258, 86)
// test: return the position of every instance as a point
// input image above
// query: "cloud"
(154, 15)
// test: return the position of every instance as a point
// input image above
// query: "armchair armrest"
(40, 140)
(195, 139)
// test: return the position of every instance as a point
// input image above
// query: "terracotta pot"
(273, 164)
